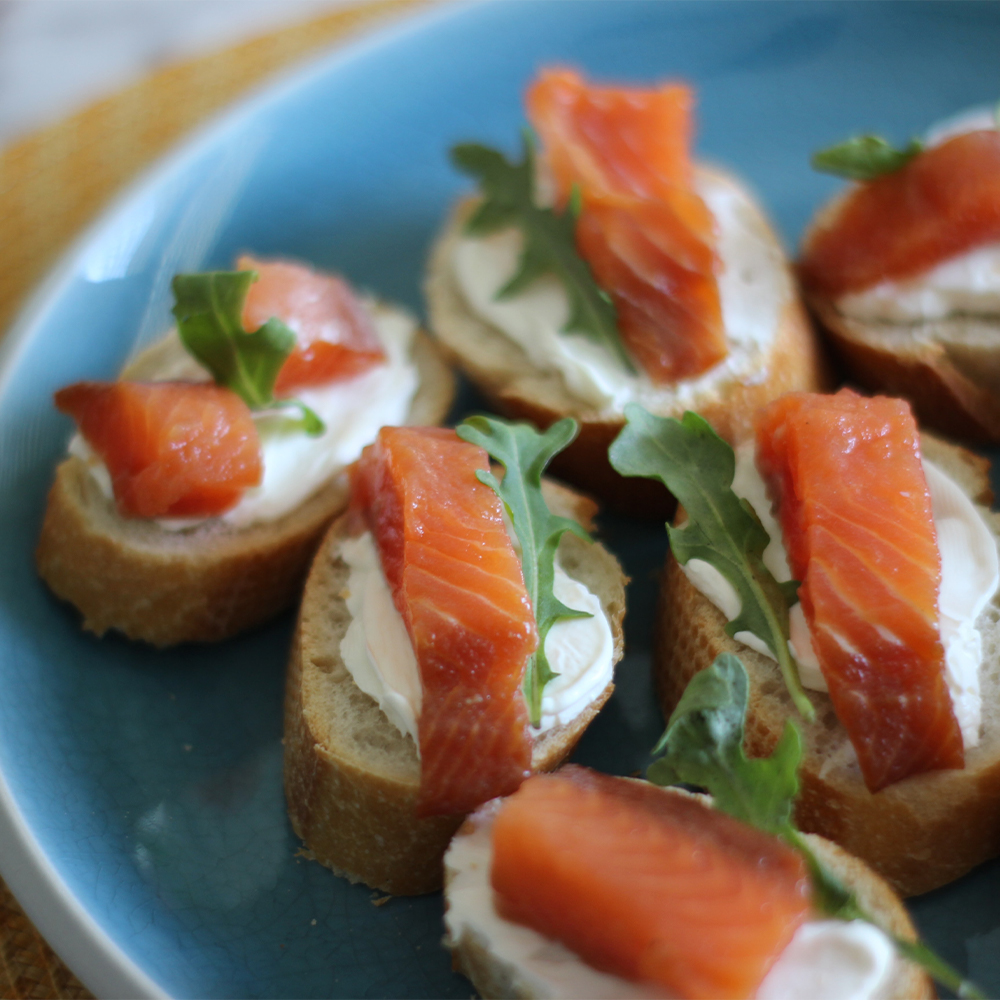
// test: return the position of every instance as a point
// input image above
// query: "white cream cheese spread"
(965, 285)
(295, 464)
(826, 960)
(376, 648)
(754, 286)
(969, 578)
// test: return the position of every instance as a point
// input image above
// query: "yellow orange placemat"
(55, 181)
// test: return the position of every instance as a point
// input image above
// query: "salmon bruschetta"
(586, 885)
(441, 654)
(849, 560)
(903, 271)
(611, 268)
(199, 484)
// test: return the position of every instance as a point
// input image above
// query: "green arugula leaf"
(549, 240)
(209, 310)
(864, 157)
(524, 453)
(697, 466)
(703, 746)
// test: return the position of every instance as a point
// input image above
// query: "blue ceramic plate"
(141, 814)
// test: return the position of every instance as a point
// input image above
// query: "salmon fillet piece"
(335, 337)
(457, 582)
(944, 202)
(855, 511)
(173, 449)
(644, 230)
(646, 884)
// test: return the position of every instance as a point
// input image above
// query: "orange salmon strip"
(457, 583)
(856, 516)
(335, 336)
(646, 233)
(173, 449)
(944, 202)
(646, 884)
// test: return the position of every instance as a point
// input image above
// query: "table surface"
(58, 56)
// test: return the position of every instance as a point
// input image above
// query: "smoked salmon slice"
(644, 230)
(335, 336)
(457, 582)
(647, 884)
(173, 449)
(942, 203)
(855, 512)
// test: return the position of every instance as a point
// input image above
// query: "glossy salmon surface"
(456, 581)
(335, 336)
(855, 512)
(646, 884)
(943, 203)
(644, 230)
(173, 449)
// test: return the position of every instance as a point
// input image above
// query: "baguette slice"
(497, 976)
(205, 584)
(351, 778)
(919, 833)
(502, 371)
(948, 368)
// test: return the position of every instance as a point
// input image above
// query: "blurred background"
(93, 91)
(57, 56)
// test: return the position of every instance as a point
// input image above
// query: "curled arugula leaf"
(524, 453)
(697, 466)
(549, 240)
(703, 746)
(864, 157)
(209, 311)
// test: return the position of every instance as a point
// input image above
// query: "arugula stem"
(937, 968)
(777, 638)
(549, 241)
(790, 673)
(838, 901)
(589, 318)
(524, 453)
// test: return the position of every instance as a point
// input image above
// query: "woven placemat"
(52, 183)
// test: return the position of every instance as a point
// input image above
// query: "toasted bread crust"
(919, 833)
(163, 587)
(952, 382)
(919, 364)
(202, 585)
(351, 779)
(494, 977)
(503, 373)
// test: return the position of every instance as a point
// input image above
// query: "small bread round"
(495, 977)
(948, 368)
(351, 778)
(502, 371)
(209, 582)
(919, 833)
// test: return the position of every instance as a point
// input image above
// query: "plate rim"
(96, 958)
